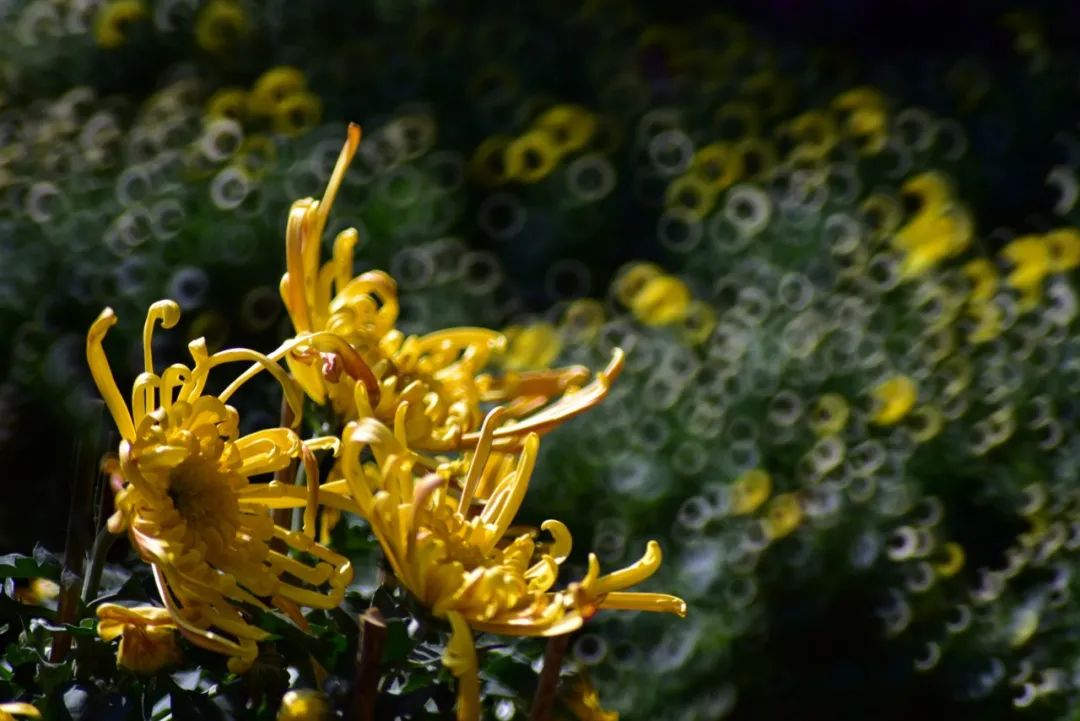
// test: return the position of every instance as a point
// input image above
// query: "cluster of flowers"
(438, 479)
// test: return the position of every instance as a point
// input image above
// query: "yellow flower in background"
(983, 277)
(750, 490)
(113, 24)
(303, 705)
(428, 388)
(1035, 257)
(1031, 257)
(654, 297)
(532, 346)
(39, 592)
(147, 636)
(864, 117)
(583, 701)
(188, 503)
(220, 24)
(457, 555)
(1064, 249)
(8, 711)
(893, 399)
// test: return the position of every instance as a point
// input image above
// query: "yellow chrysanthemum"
(458, 556)
(429, 388)
(147, 636)
(8, 711)
(188, 503)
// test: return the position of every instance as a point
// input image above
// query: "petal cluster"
(188, 502)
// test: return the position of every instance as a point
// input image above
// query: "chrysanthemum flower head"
(431, 387)
(147, 634)
(460, 556)
(188, 502)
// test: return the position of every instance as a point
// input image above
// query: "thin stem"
(366, 688)
(286, 476)
(87, 453)
(543, 702)
(544, 699)
(98, 553)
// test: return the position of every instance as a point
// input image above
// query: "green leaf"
(41, 565)
(192, 705)
(398, 645)
(85, 627)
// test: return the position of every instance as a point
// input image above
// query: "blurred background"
(834, 237)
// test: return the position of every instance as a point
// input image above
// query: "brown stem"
(372, 638)
(80, 514)
(286, 476)
(544, 699)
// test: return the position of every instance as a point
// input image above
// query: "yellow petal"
(632, 574)
(636, 601)
(103, 377)
(460, 659)
(20, 708)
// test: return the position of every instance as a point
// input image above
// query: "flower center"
(201, 493)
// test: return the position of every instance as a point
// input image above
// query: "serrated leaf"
(41, 565)
(85, 627)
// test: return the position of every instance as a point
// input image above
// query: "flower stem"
(286, 476)
(544, 699)
(98, 553)
(366, 688)
(87, 453)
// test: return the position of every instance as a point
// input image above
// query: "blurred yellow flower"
(39, 592)
(303, 705)
(147, 636)
(428, 388)
(457, 554)
(220, 24)
(1030, 255)
(1037, 256)
(113, 24)
(534, 346)
(188, 503)
(893, 399)
(8, 711)
(583, 701)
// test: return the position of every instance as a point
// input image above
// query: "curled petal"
(166, 311)
(632, 574)
(293, 395)
(563, 541)
(572, 404)
(103, 377)
(267, 450)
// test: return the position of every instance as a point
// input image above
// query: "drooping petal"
(460, 658)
